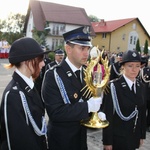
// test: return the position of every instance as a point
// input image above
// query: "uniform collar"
(129, 82)
(73, 68)
(29, 81)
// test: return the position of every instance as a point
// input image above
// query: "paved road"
(94, 135)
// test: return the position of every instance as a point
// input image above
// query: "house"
(54, 19)
(119, 35)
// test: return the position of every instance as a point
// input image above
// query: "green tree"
(51, 55)
(12, 27)
(146, 47)
(40, 36)
(138, 46)
(93, 18)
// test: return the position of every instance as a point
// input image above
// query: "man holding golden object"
(96, 84)
(61, 90)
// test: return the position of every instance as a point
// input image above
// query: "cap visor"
(82, 43)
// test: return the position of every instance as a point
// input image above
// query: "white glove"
(102, 116)
(94, 104)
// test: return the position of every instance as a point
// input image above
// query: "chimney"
(102, 22)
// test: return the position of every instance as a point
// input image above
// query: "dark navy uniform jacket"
(65, 129)
(21, 135)
(115, 70)
(51, 64)
(119, 129)
(145, 77)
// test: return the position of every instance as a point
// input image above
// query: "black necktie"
(133, 88)
(78, 75)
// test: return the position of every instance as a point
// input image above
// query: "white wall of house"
(30, 26)
(56, 31)
(55, 39)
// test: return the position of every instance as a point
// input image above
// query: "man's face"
(78, 54)
(59, 57)
(119, 58)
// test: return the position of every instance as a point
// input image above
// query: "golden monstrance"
(96, 84)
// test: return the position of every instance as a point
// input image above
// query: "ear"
(68, 49)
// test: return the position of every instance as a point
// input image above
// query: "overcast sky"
(103, 9)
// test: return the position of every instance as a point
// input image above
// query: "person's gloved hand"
(101, 116)
(94, 104)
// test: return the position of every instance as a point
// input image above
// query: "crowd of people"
(55, 87)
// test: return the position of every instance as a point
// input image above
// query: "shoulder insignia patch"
(15, 88)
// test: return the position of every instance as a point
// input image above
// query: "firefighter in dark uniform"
(23, 125)
(38, 81)
(59, 56)
(145, 77)
(115, 68)
(61, 91)
(125, 107)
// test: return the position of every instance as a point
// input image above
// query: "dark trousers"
(148, 113)
(121, 143)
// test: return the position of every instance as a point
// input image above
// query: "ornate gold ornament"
(96, 84)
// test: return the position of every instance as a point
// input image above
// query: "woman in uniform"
(125, 107)
(23, 125)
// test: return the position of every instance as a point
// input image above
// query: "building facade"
(55, 19)
(119, 35)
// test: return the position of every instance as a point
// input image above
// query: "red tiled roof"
(109, 26)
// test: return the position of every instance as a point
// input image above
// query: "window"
(103, 47)
(56, 42)
(53, 30)
(57, 30)
(118, 48)
(134, 26)
(134, 41)
(131, 38)
(123, 36)
(104, 35)
(62, 27)
(53, 44)
(61, 42)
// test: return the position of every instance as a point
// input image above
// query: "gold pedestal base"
(95, 122)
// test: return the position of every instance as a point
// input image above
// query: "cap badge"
(75, 95)
(86, 30)
(134, 54)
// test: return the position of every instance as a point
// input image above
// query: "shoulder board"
(114, 80)
(145, 74)
(52, 68)
(147, 69)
